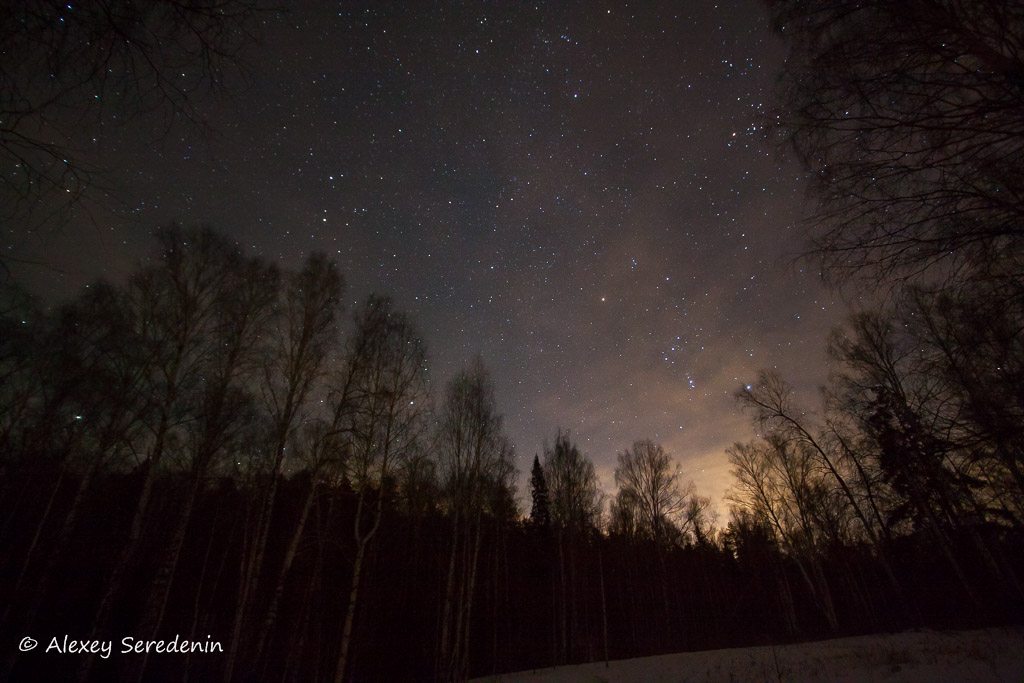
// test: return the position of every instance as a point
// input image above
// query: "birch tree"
(224, 404)
(475, 458)
(174, 303)
(301, 339)
(385, 428)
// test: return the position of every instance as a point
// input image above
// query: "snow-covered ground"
(983, 655)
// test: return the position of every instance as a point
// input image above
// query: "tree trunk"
(604, 608)
(282, 577)
(63, 537)
(442, 667)
(253, 563)
(362, 541)
(297, 644)
(156, 605)
(563, 636)
(462, 670)
(350, 613)
(199, 593)
(42, 586)
(127, 554)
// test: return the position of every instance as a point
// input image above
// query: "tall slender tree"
(174, 304)
(225, 404)
(777, 482)
(302, 339)
(575, 511)
(387, 428)
(475, 459)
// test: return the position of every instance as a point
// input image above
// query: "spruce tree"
(540, 514)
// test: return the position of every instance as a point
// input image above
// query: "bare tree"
(326, 442)
(924, 444)
(975, 350)
(700, 519)
(573, 495)
(771, 400)
(836, 451)
(385, 428)
(575, 508)
(301, 339)
(651, 495)
(776, 481)
(319, 450)
(82, 384)
(22, 326)
(223, 404)
(174, 304)
(475, 459)
(651, 504)
(910, 118)
(70, 67)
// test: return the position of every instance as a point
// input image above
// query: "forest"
(215, 450)
(219, 450)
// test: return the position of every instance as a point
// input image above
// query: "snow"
(983, 655)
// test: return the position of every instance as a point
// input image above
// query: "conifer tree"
(540, 513)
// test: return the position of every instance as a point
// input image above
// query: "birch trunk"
(282, 577)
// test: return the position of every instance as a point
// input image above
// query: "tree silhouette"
(368, 537)
(301, 338)
(575, 511)
(651, 499)
(910, 118)
(72, 66)
(475, 459)
(540, 513)
(390, 387)
(575, 502)
(777, 482)
(225, 404)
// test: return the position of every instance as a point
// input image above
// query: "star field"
(580, 192)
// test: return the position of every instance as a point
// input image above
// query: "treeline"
(907, 118)
(914, 459)
(214, 451)
(182, 452)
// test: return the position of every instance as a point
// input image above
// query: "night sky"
(580, 192)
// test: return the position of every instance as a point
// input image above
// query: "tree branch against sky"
(73, 71)
(911, 134)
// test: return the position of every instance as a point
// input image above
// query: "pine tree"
(540, 514)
